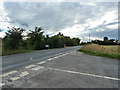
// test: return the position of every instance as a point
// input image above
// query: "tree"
(36, 39)
(68, 41)
(105, 39)
(58, 41)
(13, 38)
(76, 41)
(48, 41)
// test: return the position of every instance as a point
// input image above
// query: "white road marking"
(21, 75)
(56, 57)
(24, 74)
(52, 58)
(87, 74)
(65, 54)
(30, 66)
(41, 62)
(1, 84)
(15, 78)
(33, 67)
(6, 74)
(49, 59)
(37, 68)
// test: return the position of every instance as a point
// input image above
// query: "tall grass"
(112, 51)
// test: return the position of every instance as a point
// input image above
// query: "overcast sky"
(73, 19)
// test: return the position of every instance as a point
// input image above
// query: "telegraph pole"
(89, 37)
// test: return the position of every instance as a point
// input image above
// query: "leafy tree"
(13, 38)
(105, 39)
(68, 41)
(49, 41)
(76, 41)
(58, 41)
(36, 39)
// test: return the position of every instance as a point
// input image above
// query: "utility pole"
(89, 37)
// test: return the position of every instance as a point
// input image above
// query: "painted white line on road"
(6, 74)
(24, 74)
(37, 68)
(21, 75)
(41, 62)
(52, 58)
(56, 57)
(65, 54)
(15, 78)
(1, 84)
(87, 74)
(30, 66)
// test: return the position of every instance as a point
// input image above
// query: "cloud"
(71, 18)
(89, 4)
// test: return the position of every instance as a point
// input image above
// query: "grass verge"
(10, 52)
(98, 53)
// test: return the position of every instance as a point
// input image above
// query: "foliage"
(36, 39)
(105, 38)
(58, 41)
(13, 38)
(105, 41)
(15, 42)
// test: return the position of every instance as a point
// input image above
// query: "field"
(112, 51)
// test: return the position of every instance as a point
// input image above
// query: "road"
(11, 62)
(60, 68)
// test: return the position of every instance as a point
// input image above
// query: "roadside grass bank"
(10, 52)
(111, 51)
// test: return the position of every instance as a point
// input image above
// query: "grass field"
(112, 51)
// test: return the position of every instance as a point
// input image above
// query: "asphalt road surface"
(12, 62)
(59, 68)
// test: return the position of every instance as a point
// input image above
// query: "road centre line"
(52, 58)
(41, 62)
(30, 66)
(57, 57)
(87, 74)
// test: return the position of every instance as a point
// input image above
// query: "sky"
(74, 19)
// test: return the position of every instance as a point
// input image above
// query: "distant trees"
(59, 41)
(106, 41)
(35, 40)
